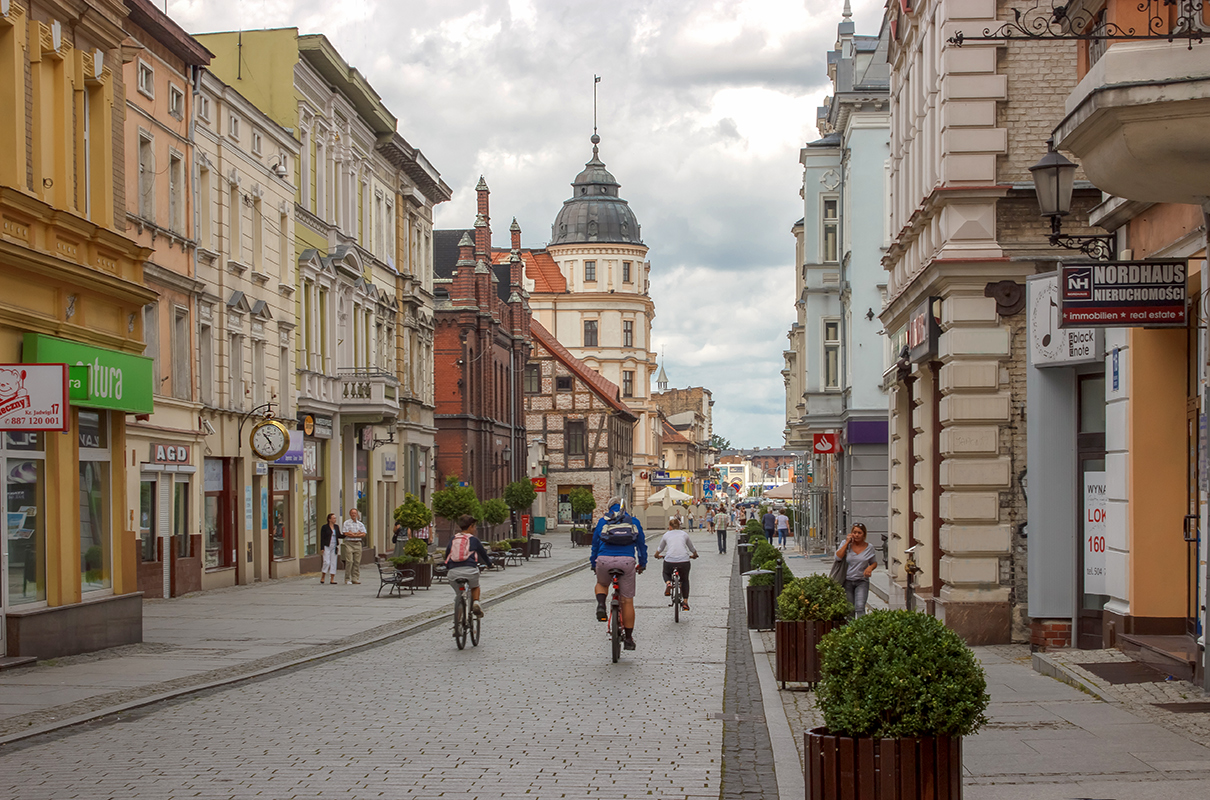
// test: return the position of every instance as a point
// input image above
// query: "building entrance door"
(1195, 425)
(1090, 561)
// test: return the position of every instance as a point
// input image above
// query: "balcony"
(368, 393)
(318, 391)
(1138, 121)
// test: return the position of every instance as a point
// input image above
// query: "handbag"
(839, 570)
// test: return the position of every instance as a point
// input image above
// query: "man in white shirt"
(783, 528)
(676, 548)
(355, 534)
(722, 521)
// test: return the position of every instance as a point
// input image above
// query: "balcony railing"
(368, 391)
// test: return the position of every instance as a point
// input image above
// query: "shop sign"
(323, 427)
(116, 381)
(924, 330)
(1049, 344)
(168, 453)
(1124, 293)
(281, 481)
(662, 478)
(260, 468)
(264, 508)
(307, 423)
(294, 456)
(310, 463)
(539, 483)
(367, 437)
(1094, 533)
(388, 465)
(33, 397)
(825, 444)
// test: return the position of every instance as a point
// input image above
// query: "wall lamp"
(1054, 180)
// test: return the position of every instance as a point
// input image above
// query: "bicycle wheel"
(460, 621)
(474, 625)
(615, 630)
(676, 599)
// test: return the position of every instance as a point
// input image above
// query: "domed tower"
(603, 313)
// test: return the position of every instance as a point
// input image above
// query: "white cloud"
(704, 105)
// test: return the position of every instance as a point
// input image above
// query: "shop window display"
(23, 472)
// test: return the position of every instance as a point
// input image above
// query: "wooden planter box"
(745, 557)
(424, 574)
(798, 650)
(844, 768)
(760, 607)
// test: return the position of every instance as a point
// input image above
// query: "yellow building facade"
(71, 292)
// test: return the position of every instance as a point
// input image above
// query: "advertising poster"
(33, 397)
(1094, 533)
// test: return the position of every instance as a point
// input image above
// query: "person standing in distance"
(769, 523)
(783, 528)
(329, 545)
(618, 542)
(354, 535)
(860, 560)
(722, 521)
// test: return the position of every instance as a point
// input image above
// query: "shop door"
(1090, 563)
(1195, 425)
(280, 513)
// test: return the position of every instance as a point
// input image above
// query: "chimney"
(516, 231)
(483, 239)
(462, 292)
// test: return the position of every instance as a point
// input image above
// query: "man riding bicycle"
(616, 541)
(463, 555)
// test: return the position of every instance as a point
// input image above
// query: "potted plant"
(520, 496)
(582, 504)
(760, 592)
(807, 609)
(416, 558)
(495, 511)
(898, 691)
(581, 537)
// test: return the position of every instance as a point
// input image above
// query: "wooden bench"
(396, 578)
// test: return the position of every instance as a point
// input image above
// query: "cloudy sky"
(704, 105)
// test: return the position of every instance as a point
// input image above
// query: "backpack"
(460, 549)
(619, 533)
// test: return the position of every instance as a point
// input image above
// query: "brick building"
(587, 428)
(480, 346)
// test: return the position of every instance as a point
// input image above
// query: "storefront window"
(361, 484)
(180, 519)
(312, 472)
(214, 516)
(95, 551)
(280, 513)
(24, 486)
(147, 520)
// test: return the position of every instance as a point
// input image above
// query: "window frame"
(590, 271)
(203, 108)
(595, 338)
(532, 380)
(627, 333)
(627, 383)
(176, 101)
(576, 433)
(145, 79)
(565, 383)
(831, 349)
(233, 126)
(829, 225)
(627, 272)
(257, 142)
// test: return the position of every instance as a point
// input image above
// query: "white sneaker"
(476, 609)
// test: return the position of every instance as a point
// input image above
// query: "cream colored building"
(604, 316)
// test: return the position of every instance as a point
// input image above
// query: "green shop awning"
(116, 381)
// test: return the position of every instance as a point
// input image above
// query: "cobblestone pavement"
(748, 768)
(227, 633)
(537, 710)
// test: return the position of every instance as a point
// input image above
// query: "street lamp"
(1054, 179)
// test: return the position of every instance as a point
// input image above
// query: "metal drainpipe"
(1205, 522)
(935, 368)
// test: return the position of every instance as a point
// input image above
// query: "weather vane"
(595, 80)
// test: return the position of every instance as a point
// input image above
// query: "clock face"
(270, 440)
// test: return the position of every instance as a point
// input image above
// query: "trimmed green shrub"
(582, 501)
(896, 674)
(520, 495)
(416, 548)
(413, 514)
(760, 580)
(495, 511)
(453, 501)
(499, 547)
(815, 598)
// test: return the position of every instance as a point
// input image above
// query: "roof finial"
(595, 139)
(848, 11)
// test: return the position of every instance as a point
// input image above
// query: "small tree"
(453, 501)
(495, 511)
(413, 514)
(519, 495)
(582, 501)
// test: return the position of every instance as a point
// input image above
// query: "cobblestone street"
(536, 710)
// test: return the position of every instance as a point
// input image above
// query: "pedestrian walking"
(783, 528)
(860, 560)
(354, 534)
(769, 523)
(329, 545)
(722, 521)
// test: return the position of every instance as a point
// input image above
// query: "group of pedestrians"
(350, 534)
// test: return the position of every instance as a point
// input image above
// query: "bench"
(440, 572)
(544, 550)
(514, 557)
(499, 560)
(397, 579)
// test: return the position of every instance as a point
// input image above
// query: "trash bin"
(745, 556)
(760, 608)
(540, 525)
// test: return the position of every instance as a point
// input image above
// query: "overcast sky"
(703, 108)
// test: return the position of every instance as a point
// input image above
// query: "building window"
(233, 127)
(627, 333)
(627, 383)
(146, 79)
(235, 369)
(831, 230)
(234, 237)
(176, 102)
(147, 519)
(23, 485)
(258, 373)
(590, 270)
(258, 237)
(203, 108)
(146, 178)
(283, 375)
(626, 272)
(181, 386)
(256, 143)
(206, 212)
(180, 517)
(590, 333)
(533, 378)
(831, 355)
(575, 437)
(151, 342)
(176, 193)
(205, 363)
(96, 545)
(218, 538)
(563, 383)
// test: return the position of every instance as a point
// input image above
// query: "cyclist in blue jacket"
(618, 542)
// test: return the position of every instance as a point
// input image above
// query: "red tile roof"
(671, 435)
(540, 268)
(605, 388)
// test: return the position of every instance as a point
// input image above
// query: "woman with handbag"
(859, 561)
(329, 545)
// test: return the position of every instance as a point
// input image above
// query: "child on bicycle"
(463, 557)
(676, 548)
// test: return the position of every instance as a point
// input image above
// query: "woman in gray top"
(860, 561)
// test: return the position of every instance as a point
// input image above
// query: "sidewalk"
(210, 638)
(1045, 739)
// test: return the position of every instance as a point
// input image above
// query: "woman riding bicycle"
(616, 541)
(676, 548)
(463, 555)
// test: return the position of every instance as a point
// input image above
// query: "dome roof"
(595, 212)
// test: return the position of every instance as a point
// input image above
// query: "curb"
(1045, 665)
(413, 628)
(791, 782)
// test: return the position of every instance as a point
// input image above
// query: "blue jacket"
(599, 548)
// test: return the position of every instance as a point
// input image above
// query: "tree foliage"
(815, 597)
(719, 442)
(582, 501)
(413, 514)
(453, 501)
(495, 511)
(520, 495)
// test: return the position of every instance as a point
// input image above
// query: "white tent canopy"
(667, 496)
(783, 492)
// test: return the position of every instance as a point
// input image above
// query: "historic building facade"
(599, 307)
(586, 427)
(72, 291)
(689, 413)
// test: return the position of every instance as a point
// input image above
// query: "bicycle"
(676, 595)
(615, 614)
(464, 621)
